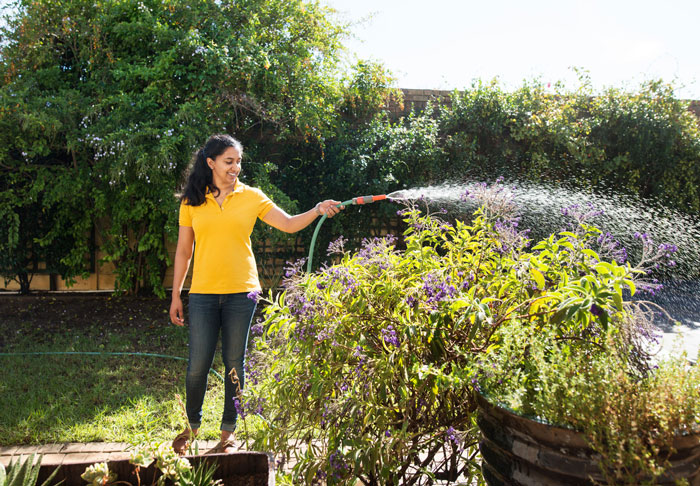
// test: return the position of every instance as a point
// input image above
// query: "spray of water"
(449, 194)
(541, 207)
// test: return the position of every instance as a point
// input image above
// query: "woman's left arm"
(279, 219)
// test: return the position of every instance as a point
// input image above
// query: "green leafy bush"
(643, 142)
(115, 96)
(375, 157)
(648, 143)
(47, 221)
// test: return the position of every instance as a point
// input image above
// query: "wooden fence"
(271, 259)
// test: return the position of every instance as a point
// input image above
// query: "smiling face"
(225, 168)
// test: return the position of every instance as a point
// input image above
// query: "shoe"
(182, 442)
(223, 447)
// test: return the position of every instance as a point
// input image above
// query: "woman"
(218, 212)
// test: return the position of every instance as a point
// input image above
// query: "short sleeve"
(264, 205)
(185, 215)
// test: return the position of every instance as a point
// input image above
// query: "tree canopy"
(103, 102)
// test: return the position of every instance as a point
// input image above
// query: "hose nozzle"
(368, 199)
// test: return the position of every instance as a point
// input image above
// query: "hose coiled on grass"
(99, 353)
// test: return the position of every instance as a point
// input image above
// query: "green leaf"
(459, 304)
(558, 316)
(538, 303)
(590, 253)
(539, 278)
(603, 268)
(617, 298)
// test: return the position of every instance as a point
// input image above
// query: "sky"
(447, 44)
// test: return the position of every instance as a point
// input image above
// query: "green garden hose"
(350, 202)
(97, 353)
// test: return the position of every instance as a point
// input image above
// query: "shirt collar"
(239, 187)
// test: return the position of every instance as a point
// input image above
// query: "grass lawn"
(77, 398)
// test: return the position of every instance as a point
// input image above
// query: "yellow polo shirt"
(223, 257)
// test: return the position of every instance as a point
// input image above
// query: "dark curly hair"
(200, 179)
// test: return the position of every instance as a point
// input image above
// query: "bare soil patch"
(65, 312)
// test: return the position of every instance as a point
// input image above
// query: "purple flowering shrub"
(372, 364)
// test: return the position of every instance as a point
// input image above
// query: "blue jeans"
(209, 313)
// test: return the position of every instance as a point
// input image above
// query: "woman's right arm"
(183, 255)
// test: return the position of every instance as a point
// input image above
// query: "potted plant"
(573, 394)
(157, 464)
(568, 414)
(371, 367)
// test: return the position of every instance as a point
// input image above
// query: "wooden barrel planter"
(517, 451)
(237, 468)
